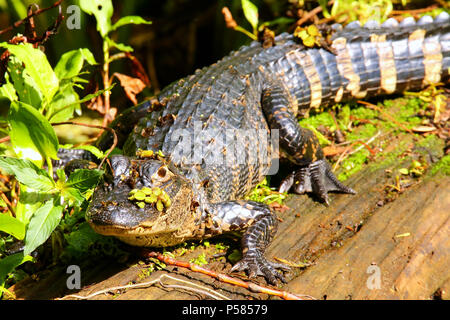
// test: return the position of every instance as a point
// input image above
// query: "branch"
(29, 16)
(253, 287)
(98, 127)
(200, 289)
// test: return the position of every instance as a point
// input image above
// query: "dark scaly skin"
(252, 89)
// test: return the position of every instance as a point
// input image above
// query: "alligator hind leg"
(302, 147)
(260, 225)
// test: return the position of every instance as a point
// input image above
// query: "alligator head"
(142, 202)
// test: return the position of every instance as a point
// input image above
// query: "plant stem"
(107, 94)
(250, 35)
(50, 166)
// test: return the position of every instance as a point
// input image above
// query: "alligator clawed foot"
(260, 266)
(316, 178)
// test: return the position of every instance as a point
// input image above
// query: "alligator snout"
(112, 209)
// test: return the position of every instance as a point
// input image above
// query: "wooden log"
(400, 237)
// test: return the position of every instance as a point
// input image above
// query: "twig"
(333, 18)
(374, 107)
(8, 203)
(98, 127)
(106, 83)
(414, 11)
(201, 289)
(311, 14)
(253, 287)
(30, 15)
(346, 153)
(4, 139)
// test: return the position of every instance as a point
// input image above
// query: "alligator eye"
(162, 172)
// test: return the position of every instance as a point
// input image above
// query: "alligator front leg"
(302, 147)
(260, 225)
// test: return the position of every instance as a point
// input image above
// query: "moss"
(320, 119)
(360, 123)
(265, 194)
(363, 113)
(353, 164)
(199, 260)
(442, 166)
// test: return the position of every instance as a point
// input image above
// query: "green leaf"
(61, 175)
(73, 196)
(102, 11)
(27, 173)
(24, 84)
(88, 56)
(250, 13)
(277, 21)
(89, 97)
(323, 4)
(129, 20)
(83, 179)
(92, 149)
(41, 225)
(12, 226)
(31, 134)
(71, 63)
(9, 263)
(37, 66)
(119, 46)
(7, 90)
(63, 104)
(29, 201)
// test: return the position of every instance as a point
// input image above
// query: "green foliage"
(48, 209)
(8, 264)
(12, 226)
(37, 67)
(27, 173)
(41, 225)
(38, 93)
(38, 96)
(363, 11)
(199, 260)
(251, 13)
(263, 193)
(103, 10)
(71, 63)
(83, 179)
(32, 136)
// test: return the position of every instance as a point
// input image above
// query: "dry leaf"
(422, 129)
(132, 86)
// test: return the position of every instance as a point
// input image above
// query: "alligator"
(191, 155)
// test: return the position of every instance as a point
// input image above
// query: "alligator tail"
(374, 60)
